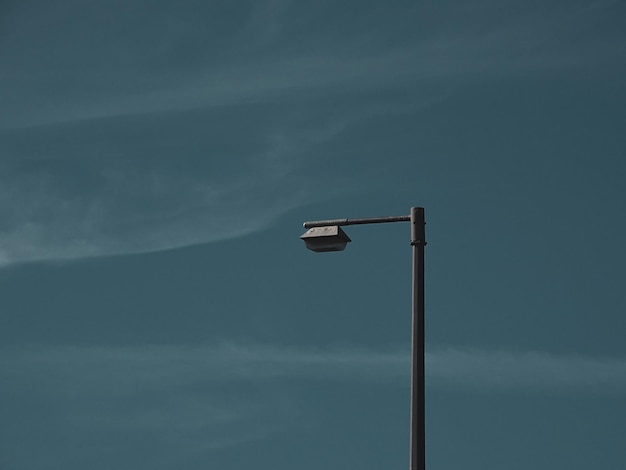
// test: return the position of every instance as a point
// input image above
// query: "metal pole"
(369, 220)
(418, 431)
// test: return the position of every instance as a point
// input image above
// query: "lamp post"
(327, 235)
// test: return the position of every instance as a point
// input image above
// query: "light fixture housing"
(327, 238)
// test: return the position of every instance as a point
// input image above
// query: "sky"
(157, 160)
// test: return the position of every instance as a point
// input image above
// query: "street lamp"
(327, 235)
(328, 238)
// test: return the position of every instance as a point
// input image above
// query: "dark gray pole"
(369, 220)
(418, 431)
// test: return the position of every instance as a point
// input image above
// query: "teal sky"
(157, 160)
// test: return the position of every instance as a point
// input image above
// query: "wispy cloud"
(262, 58)
(187, 126)
(107, 187)
(534, 371)
(170, 411)
(134, 184)
(489, 371)
(196, 399)
(131, 210)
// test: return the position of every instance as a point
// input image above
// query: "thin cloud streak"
(488, 371)
(501, 371)
(261, 69)
(258, 63)
(128, 395)
(197, 399)
(120, 186)
(93, 201)
(163, 212)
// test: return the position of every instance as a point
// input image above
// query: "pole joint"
(418, 227)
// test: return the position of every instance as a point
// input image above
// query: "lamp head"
(322, 239)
